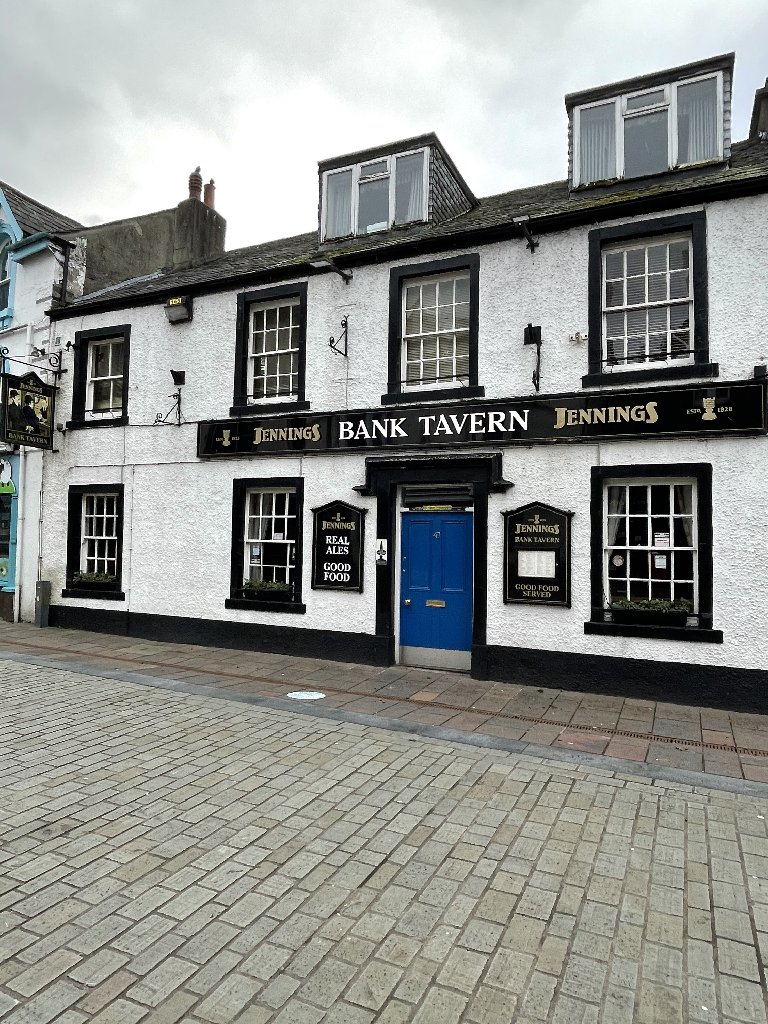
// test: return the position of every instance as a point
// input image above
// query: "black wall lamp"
(532, 336)
(178, 309)
(179, 378)
(324, 263)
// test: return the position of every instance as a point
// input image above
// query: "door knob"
(407, 600)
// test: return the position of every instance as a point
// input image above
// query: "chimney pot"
(209, 195)
(195, 184)
(758, 128)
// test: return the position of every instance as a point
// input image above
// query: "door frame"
(383, 476)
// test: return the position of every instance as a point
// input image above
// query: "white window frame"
(249, 542)
(455, 382)
(644, 243)
(115, 411)
(622, 114)
(95, 562)
(670, 549)
(6, 241)
(293, 301)
(358, 177)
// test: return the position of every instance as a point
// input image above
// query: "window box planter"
(268, 592)
(650, 613)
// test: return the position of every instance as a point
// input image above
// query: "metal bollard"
(42, 602)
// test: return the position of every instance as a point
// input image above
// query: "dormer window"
(650, 126)
(375, 195)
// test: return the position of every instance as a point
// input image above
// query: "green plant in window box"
(267, 590)
(653, 611)
(104, 578)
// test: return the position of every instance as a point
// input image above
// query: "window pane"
(338, 204)
(409, 188)
(376, 167)
(373, 212)
(648, 99)
(697, 122)
(645, 144)
(597, 143)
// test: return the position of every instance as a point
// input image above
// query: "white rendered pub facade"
(521, 436)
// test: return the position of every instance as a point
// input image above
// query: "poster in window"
(27, 411)
(537, 555)
(337, 547)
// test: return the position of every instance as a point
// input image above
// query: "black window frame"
(694, 224)
(83, 342)
(240, 403)
(398, 277)
(701, 472)
(240, 488)
(100, 591)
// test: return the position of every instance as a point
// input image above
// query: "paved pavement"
(167, 855)
(656, 734)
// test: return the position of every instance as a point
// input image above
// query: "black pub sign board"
(27, 411)
(337, 547)
(709, 410)
(537, 555)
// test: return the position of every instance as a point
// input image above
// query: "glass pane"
(635, 262)
(683, 565)
(657, 289)
(638, 564)
(409, 188)
(100, 361)
(338, 204)
(697, 121)
(614, 323)
(597, 143)
(377, 167)
(678, 285)
(412, 321)
(614, 293)
(661, 591)
(617, 531)
(657, 259)
(429, 320)
(270, 318)
(638, 531)
(102, 395)
(648, 99)
(284, 316)
(617, 499)
(683, 499)
(678, 255)
(614, 265)
(117, 358)
(657, 347)
(645, 144)
(635, 290)
(462, 289)
(462, 316)
(659, 499)
(412, 297)
(429, 295)
(373, 211)
(430, 346)
(445, 318)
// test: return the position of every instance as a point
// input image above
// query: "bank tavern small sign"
(537, 555)
(736, 408)
(27, 411)
(337, 547)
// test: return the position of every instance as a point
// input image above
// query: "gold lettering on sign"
(309, 433)
(606, 414)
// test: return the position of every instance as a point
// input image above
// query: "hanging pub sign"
(337, 547)
(661, 412)
(27, 411)
(537, 555)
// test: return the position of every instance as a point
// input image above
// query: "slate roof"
(33, 217)
(551, 206)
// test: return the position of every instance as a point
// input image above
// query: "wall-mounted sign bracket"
(335, 344)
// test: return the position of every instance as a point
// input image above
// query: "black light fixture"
(325, 263)
(179, 377)
(532, 336)
(178, 309)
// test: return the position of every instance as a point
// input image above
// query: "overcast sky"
(109, 104)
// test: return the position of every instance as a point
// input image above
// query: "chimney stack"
(195, 184)
(209, 195)
(758, 128)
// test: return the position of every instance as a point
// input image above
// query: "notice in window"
(660, 561)
(661, 540)
(539, 564)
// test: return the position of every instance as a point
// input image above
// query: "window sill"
(289, 608)
(112, 421)
(268, 408)
(688, 372)
(686, 633)
(98, 595)
(428, 395)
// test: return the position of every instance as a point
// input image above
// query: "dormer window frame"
(359, 177)
(622, 115)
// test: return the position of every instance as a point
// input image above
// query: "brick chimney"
(209, 195)
(758, 127)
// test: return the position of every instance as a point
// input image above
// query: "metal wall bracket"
(336, 344)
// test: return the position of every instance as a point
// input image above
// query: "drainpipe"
(20, 519)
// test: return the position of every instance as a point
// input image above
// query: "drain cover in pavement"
(306, 695)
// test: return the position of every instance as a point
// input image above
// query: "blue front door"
(436, 581)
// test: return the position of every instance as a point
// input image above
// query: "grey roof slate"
(33, 217)
(550, 202)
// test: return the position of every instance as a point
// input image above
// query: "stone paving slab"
(172, 857)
